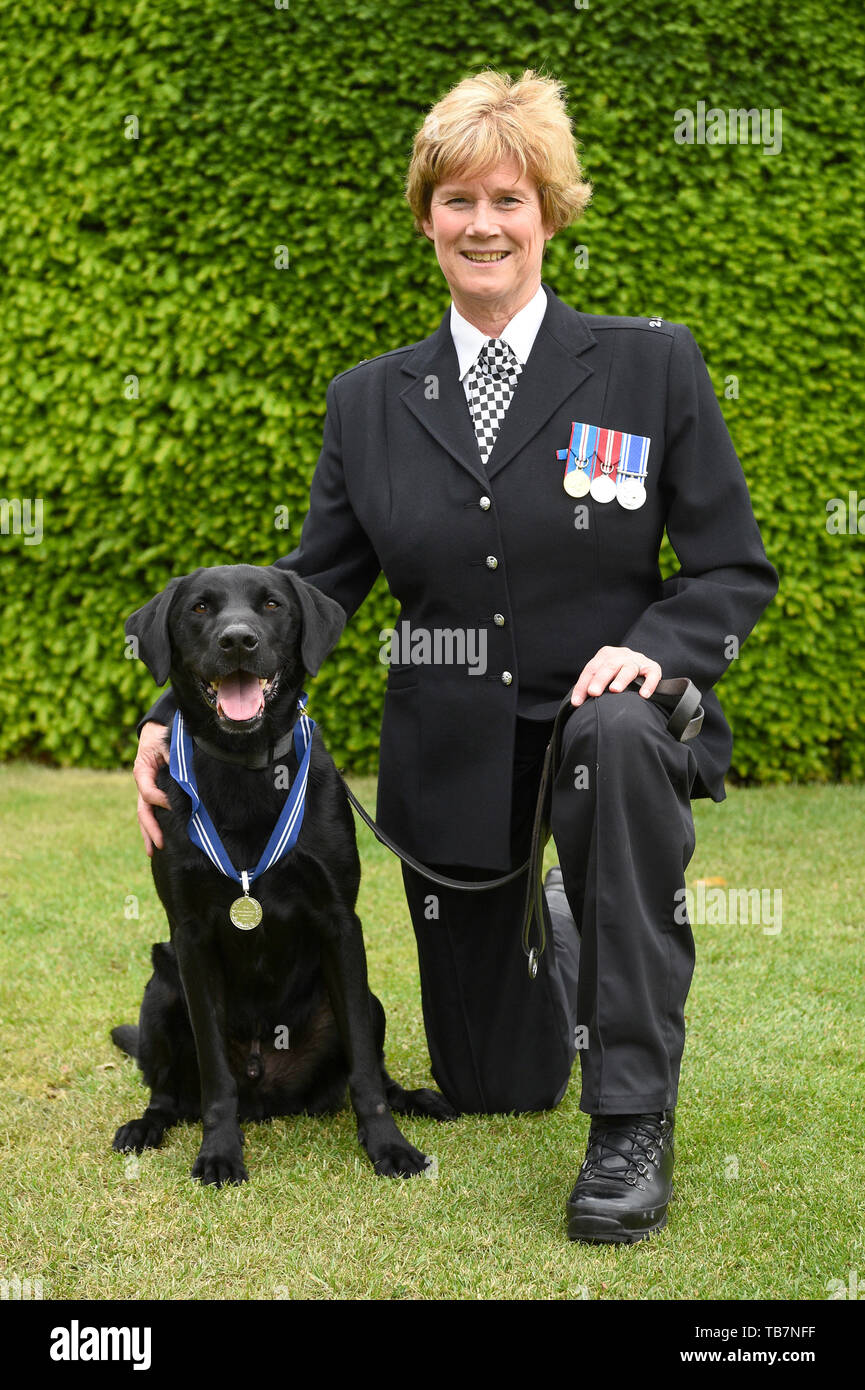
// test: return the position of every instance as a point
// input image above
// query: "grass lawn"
(769, 1193)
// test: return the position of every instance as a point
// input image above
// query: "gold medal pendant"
(245, 912)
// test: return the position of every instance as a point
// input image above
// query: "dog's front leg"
(344, 964)
(220, 1158)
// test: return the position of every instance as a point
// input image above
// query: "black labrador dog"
(270, 1017)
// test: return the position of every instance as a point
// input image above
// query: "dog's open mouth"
(240, 696)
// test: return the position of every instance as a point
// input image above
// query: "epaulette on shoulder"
(655, 324)
(367, 361)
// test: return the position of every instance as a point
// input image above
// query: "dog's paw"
(401, 1160)
(219, 1169)
(137, 1135)
(430, 1103)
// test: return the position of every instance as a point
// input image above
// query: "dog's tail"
(125, 1035)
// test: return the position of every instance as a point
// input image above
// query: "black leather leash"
(678, 695)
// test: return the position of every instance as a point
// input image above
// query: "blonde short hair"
(490, 118)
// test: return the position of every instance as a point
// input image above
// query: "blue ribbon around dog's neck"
(202, 831)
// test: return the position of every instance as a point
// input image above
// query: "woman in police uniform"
(512, 475)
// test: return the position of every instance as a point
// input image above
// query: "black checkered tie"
(492, 381)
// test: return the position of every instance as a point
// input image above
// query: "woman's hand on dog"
(150, 757)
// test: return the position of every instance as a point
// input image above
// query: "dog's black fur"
(208, 1030)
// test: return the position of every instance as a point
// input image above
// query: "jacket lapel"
(436, 397)
(553, 372)
(435, 394)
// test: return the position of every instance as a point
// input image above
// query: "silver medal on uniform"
(603, 488)
(633, 466)
(630, 493)
(608, 447)
(606, 463)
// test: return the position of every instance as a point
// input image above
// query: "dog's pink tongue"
(240, 696)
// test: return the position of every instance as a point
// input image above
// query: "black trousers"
(613, 993)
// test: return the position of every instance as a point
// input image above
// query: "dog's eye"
(271, 603)
(200, 607)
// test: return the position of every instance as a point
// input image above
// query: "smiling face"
(489, 236)
(235, 639)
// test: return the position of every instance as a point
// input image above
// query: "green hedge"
(261, 127)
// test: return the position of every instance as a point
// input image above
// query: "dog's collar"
(260, 760)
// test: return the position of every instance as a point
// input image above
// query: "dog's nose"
(238, 637)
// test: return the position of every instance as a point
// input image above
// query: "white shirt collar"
(519, 334)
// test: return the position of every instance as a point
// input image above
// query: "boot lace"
(623, 1146)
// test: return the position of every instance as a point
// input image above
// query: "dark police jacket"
(504, 550)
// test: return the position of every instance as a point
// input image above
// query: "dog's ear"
(149, 626)
(323, 619)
